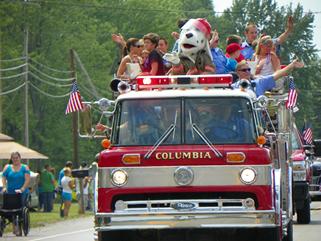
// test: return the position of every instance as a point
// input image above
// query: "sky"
(313, 5)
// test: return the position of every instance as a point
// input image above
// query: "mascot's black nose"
(189, 35)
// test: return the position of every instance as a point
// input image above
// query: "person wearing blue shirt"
(218, 56)
(219, 60)
(15, 180)
(16, 176)
(263, 83)
(250, 35)
(61, 173)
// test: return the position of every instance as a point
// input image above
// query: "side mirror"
(90, 116)
(308, 153)
(262, 101)
(80, 173)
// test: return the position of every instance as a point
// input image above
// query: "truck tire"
(289, 236)
(304, 215)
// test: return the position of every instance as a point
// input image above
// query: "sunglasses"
(138, 46)
(245, 70)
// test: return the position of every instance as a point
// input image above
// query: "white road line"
(63, 234)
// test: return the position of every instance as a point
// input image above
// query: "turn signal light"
(131, 159)
(261, 140)
(105, 143)
(235, 157)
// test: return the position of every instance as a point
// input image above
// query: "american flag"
(307, 133)
(293, 95)
(74, 103)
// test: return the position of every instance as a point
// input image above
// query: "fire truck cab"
(194, 162)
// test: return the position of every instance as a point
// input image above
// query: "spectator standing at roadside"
(40, 192)
(15, 180)
(47, 182)
(67, 184)
(85, 185)
(16, 177)
(61, 173)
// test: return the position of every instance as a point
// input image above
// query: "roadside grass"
(40, 219)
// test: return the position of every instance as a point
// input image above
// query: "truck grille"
(184, 201)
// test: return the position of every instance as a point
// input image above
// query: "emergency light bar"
(172, 81)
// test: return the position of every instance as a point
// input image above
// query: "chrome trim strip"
(203, 176)
(197, 205)
(248, 219)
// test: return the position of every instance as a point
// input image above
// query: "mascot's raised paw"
(172, 58)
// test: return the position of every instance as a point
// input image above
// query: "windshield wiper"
(167, 132)
(206, 140)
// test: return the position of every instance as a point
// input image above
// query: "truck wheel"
(304, 215)
(289, 236)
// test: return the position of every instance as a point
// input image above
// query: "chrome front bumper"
(186, 219)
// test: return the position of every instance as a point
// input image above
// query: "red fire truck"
(190, 159)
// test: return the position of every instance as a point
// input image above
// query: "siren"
(120, 86)
(114, 84)
(123, 87)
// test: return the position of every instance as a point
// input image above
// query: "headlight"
(299, 176)
(183, 176)
(248, 175)
(119, 177)
(298, 166)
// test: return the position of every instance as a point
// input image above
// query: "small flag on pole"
(293, 95)
(74, 103)
(307, 133)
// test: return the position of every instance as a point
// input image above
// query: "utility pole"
(26, 117)
(0, 84)
(74, 114)
(75, 135)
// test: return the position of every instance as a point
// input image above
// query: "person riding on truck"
(261, 84)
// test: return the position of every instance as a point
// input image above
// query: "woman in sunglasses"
(133, 49)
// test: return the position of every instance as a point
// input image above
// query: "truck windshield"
(220, 120)
(142, 122)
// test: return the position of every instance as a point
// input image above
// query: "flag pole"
(75, 135)
(74, 115)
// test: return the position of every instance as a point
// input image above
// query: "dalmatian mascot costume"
(194, 55)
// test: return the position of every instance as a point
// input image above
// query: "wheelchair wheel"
(25, 221)
(17, 225)
(2, 226)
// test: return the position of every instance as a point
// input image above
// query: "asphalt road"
(82, 229)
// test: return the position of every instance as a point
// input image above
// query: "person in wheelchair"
(15, 179)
